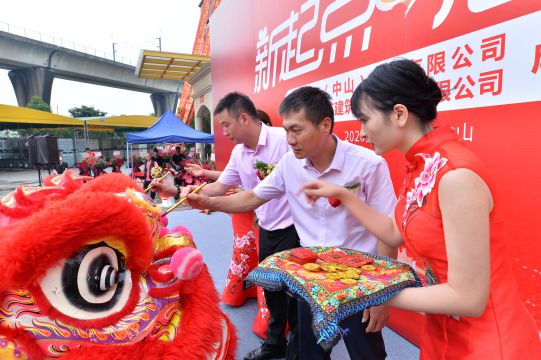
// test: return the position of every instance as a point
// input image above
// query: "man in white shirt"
(256, 141)
(318, 154)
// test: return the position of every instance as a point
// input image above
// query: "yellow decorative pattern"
(173, 239)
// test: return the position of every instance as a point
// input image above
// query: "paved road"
(10, 179)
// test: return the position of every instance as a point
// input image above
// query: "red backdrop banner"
(485, 54)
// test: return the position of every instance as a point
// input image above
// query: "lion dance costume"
(88, 271)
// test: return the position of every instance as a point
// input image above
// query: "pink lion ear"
(164, 231)
(186, 263)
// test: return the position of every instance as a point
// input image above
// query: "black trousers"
(360, 344)
(282, 308)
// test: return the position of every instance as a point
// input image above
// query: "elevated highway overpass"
(33, 65)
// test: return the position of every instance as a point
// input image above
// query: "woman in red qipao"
(449, 218)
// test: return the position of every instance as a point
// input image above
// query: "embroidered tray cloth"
(330, 300)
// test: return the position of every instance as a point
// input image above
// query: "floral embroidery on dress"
(240, 267)
(423, 185)
(416, 198)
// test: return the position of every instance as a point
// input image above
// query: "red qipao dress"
(505, 330)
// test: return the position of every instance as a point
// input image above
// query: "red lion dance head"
(84, 274)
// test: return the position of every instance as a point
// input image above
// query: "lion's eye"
(94, 283)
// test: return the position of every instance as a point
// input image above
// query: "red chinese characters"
(339, 107)
(463, 90)
(460, 57)
(349, 86)
(537, 61)
(491, 82)
(337, 88)
(347, 106)
(436, 63)
(493, 48)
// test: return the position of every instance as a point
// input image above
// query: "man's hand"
(184, 191)
(378, 316)
(164, 187)
(195, 170)
(199, 201)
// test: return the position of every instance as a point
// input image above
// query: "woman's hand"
(315, 189)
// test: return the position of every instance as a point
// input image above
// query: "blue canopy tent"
(169, 128)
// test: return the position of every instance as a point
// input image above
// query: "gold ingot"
(311, 267)
(368, 267)
(335, 275)
(352, 274)
(329, 267)
(341, 267)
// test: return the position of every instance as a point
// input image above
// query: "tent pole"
(85, 129)
(132, 166)
(127, 154)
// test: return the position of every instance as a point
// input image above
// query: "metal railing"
(68, 44)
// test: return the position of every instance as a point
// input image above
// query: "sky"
(134, 25)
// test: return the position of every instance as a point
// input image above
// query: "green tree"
(37, 103)
(58, 132)
(85, 111)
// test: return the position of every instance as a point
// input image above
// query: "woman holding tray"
(448, 217)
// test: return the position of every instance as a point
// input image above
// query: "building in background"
(193, 70)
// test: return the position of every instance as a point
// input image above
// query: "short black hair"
(264, 117)
(403, 82)
(315, 103)
(177, 148)
(236, 103)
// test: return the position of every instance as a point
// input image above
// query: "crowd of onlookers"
(172, 159)
(94, 164)
(169, 158)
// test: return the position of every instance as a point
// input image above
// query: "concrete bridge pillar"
(163, 102)
(30, 82)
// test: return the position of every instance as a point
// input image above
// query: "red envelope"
(302, 256)
(340, 257)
